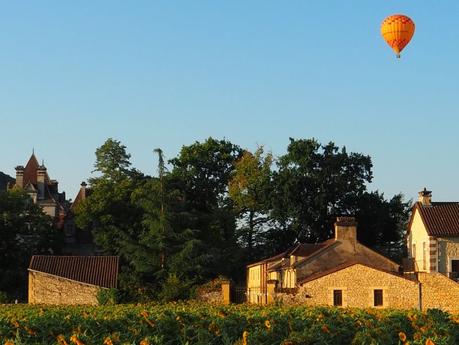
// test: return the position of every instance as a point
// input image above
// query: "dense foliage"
(219, 207)
(179, 323)
(24, 231)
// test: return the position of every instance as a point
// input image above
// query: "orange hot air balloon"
(397, 30)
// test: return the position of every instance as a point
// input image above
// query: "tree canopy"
(219, 207)
(24, 231)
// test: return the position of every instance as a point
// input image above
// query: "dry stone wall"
(438, 291)
(48, 289)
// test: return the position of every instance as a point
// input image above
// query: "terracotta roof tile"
(440, 218)
(95, 270)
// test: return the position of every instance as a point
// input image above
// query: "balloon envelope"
(397, 30)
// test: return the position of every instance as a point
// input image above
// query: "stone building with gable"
(44, 191)
(33, 178)
(70, 279)
(343, 272)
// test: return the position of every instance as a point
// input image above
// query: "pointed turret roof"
(30, 170)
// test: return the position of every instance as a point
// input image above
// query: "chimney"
(346, 229)
(41, 176)
(20, 176)
(425, 197)
(83, 190)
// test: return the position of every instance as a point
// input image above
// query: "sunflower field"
(193, 323)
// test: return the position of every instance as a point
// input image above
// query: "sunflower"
(402, 336)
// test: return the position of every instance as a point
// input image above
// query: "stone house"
(433, 237)
(70, 279)
(294, 266)
(343, 272)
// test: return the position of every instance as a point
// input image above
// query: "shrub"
(174, 289)
(107, 296)
(3, 297)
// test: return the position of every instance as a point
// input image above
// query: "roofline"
(410, 223)
(72, 280)
(379, 254)
(344, 266)
(328, 246)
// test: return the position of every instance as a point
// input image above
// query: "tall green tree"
(249, 189)
(382, 223)
(115, 220)
(24, 231)
(201, 173)
(139, 218)
(312, 185)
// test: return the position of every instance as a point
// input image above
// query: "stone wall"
(448, 249)
(48, 289)
(357, 283)
(438, 291)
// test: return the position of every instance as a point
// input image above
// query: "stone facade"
(357, 284)
(448, 249)
(293, 266)
(49, 289)
(438, 291)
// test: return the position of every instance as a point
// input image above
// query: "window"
(454, 269)
(413, 254)
(338, 298)
(378, 298)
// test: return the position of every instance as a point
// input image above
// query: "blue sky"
(167, 73)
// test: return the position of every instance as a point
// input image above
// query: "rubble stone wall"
(48, 289)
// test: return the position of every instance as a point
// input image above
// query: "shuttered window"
(378, 298)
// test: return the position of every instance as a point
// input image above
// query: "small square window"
(378, 298)
(338, 298)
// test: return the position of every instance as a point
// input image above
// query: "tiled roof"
(95, 270)
(440, 218)
(304, 250)
(307, 249)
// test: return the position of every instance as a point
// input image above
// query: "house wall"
(289, 279)
(448, 249)
(419, 245)
(48, 289)
(358, 283)
(257, 278)
(50, 210)
(438, 291)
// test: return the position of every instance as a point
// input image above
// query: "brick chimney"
(83, 190)
(425, 197)
(346, 229)
(41, 177)
(20, 176)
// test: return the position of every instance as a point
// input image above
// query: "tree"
(249, 190)
(382, 223)
(138, 218)
(200, 175)
(109, 211)
(24, 231)
(313, 184)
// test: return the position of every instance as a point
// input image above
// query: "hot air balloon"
(397, 30)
